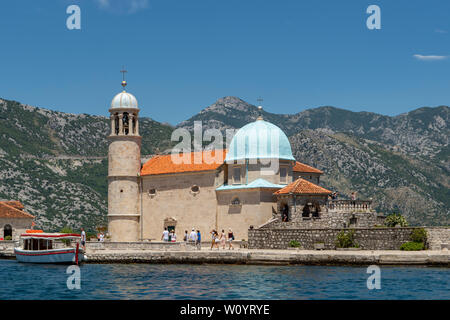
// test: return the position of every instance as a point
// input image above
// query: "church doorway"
(285, 213)
(7, 231)
(306, 211)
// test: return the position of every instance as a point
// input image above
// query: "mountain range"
(56, 163)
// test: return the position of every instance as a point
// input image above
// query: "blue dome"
(259, 140)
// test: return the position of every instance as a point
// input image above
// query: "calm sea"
(150, 281)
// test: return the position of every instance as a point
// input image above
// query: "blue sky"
(182, 55)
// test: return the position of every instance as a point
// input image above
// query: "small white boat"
(49, 248)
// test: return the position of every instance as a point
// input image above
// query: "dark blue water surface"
(152, 281)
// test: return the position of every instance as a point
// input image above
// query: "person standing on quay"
(223, 239)
(199, 240)
(230, 239)
(83, 239)
(193, 236)
(214, 238)
(165, 235)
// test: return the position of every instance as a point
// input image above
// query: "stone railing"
(350, 205)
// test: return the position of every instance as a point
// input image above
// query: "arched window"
(285, 213)
(7, 231)
(152, 192)
(116, 123)
(134, 123)
(125, 123)
(306, 211)
(195, 189)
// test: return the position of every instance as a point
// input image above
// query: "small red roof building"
(13, 209)
(302, 186)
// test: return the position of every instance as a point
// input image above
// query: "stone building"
(13, 220)
(305, 205)
(255, 181)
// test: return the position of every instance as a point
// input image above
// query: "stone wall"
(162, 246)
(438, 237)
(19, 226)
(7, 246)
(256, 207)
(367, 238)
(174, 201)
(332, 219)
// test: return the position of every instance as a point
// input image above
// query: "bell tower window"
(125, 120)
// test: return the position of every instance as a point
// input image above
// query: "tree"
(395, 219)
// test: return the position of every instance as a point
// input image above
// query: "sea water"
(184, 281)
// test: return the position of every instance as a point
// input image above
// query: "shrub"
(419, 235)
(395, 219)
(66, 229)
(346, 239)
(8, 238)
(412, 246)
(294, 244)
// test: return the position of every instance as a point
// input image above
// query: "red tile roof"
(13, 209)
(302, 186)
(301, 167)
(162, 164)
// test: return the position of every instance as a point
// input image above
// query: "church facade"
(240, 189)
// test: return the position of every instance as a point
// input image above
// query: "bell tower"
(124, 165)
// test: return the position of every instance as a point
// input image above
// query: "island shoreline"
(269, 257)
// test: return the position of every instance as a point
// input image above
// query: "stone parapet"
(276, 257)
(139, 245)
(367, 238)
(438, 237)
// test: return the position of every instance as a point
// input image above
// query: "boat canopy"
(50, 236)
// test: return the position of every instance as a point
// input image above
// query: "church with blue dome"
(242, 189)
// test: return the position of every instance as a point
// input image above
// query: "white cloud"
(137, 5)
(123, 6)
(440, 31)
(429, 58)
(103, 3)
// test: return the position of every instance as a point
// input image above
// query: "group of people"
(195, 237)
(169, 236)
(223, 238)
(100, 237)
(335, 195)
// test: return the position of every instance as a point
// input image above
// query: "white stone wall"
(175, 199)
(124, 164)
(255, 209)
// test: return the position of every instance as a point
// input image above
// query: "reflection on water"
(151, 281)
